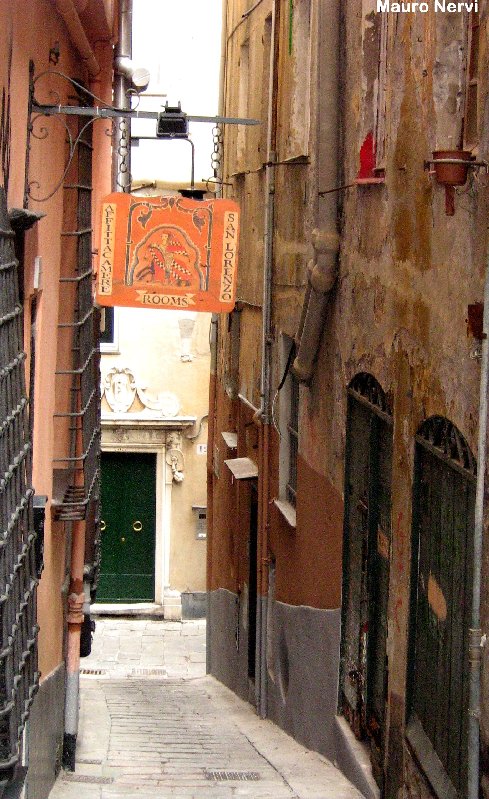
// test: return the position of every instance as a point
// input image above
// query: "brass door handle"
(137, 526)
(103, 526)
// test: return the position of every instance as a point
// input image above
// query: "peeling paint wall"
(407, 274)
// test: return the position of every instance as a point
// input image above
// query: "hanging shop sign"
(168, 252)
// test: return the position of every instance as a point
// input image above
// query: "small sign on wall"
(201, 449)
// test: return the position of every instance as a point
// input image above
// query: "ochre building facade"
(344, 416)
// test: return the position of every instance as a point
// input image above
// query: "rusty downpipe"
(213, 341)
(322, 269)
(264, 415)
(121, 158)
(76, 599)
(67, 9)
(475, 632)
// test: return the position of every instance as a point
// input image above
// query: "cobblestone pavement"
(153, 726)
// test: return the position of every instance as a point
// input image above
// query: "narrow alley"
(153, 724)
(244, 399)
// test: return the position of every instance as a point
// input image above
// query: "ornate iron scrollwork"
(37, 112)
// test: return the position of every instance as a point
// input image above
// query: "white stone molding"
(121, 387)
(174, 455)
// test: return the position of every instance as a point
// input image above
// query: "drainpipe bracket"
(302, 374)
(322, 279)
(325, 241)
(75, 608)
(475, 646)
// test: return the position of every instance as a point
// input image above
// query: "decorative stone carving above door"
(120, 387)
(174, 455)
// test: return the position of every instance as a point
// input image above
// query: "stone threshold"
(134, 610)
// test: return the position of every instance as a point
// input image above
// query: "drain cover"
(93, 671)
(220, 776)
(87, 762)
(94, 779)
(148, 672)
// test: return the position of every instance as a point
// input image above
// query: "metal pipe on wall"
(266, 372)
(475, 637)
(121, 159)
(322, 270)
(213, 340)
(69, 13)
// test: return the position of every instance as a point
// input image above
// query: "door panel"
(367, 545)
(441, 602)
(252, 582)
(128, 527)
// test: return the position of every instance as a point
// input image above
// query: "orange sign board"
(168, 252)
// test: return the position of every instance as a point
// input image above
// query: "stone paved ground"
(153, 726)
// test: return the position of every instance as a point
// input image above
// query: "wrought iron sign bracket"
(171, 124)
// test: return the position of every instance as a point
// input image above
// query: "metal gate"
(18, 574)
(367, 542)
(441, 582)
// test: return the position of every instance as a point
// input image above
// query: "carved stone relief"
(120, 388)
(174, 455)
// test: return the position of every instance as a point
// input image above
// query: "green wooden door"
(128, 527)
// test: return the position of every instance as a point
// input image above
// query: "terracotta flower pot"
(451, 174)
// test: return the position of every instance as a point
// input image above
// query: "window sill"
(288, 512)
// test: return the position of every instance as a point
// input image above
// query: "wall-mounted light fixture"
(138, 76)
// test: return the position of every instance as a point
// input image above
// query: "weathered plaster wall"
(307, 558)
(408, 273)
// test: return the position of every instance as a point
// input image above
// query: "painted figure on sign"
(167, 257)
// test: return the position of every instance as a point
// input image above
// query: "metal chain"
(216, 157)
(123, 176)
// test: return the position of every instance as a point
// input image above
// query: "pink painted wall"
(29, 32)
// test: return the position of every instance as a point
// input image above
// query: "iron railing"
(19, 676)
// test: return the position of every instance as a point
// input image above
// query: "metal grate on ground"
(232, 776)
(93, 672)
(148, 672)
(93, 779)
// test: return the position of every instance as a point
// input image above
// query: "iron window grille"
(293, 435)
(19, 676)
(366, 564)
(441, 601)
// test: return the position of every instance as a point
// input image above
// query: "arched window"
(366, 553)
(441, 597)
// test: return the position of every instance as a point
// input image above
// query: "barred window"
(289, 424)
(293, 436)
(19, 675)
